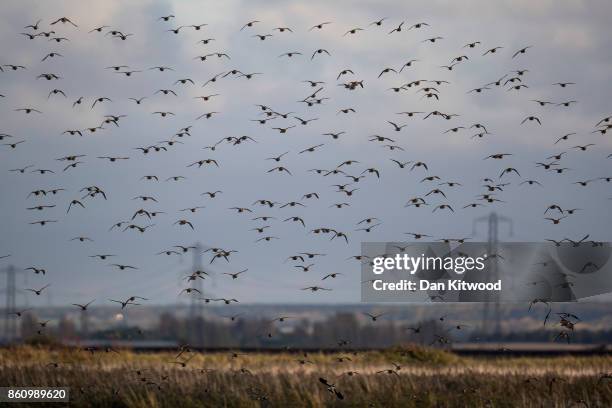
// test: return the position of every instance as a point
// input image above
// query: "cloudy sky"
(570, 43)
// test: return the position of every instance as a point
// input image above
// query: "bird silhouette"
(259, 124)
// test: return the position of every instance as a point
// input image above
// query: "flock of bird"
(50, 205)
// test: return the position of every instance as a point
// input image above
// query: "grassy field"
(421, 378)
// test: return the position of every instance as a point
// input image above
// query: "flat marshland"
(407, 376)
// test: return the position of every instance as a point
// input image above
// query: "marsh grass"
(427, 378)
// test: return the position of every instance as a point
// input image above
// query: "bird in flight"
(460, 146)
(83, 308)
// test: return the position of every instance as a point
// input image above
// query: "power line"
(11, 291)
(491, 319)
(195, 306)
